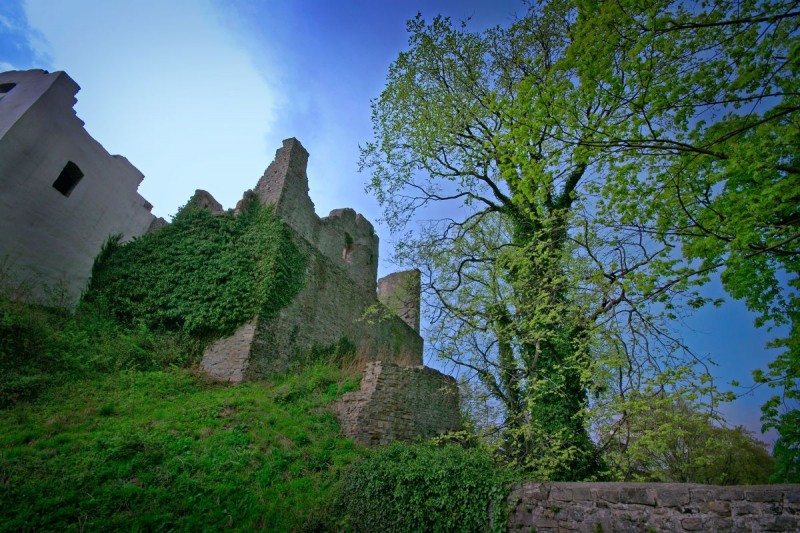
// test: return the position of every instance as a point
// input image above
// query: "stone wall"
(400, 292)
(229, 358)
(328, 308)
(644, 507)
(340, 284)
(399, 403)
(341, 251)
(62, 193)
(344, 236)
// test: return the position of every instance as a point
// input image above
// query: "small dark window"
(68, 179)
(348, 248)
(5, 87)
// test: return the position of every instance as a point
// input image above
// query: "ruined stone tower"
(399, 398)
(340, 284)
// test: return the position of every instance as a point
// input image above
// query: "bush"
(422, 487)
(203, 275)
(35, 352)
(41, 347)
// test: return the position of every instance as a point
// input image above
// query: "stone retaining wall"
(645, 507)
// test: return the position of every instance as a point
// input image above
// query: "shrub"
(204, 275)
(422, 487)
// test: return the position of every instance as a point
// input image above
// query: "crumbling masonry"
(61, 193)
(399, 398)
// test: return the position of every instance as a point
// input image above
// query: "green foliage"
(41, 347)
(166, 451)
(204, 275)
(341, 354)
(595, 164)
(422, 487)
(668, 441)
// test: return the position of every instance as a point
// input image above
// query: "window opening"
(68, 179)
(348, 248)
(5, 88)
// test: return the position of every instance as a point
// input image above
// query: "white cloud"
(166, 85)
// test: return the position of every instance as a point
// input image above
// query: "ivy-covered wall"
(339, 285)
(203, 274)
(328, 308)
(262, 285)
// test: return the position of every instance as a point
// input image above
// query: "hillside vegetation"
(166, 450)
(105, 424)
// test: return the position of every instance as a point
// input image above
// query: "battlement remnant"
(340, 285)
(400, 293)
(344, 236)
(399, 399)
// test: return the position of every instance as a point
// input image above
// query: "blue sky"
(200, 93)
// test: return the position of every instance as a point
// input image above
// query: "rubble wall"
(645, 507)
(328, 308)
(399, 403)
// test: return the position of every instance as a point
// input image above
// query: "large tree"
(701, 152)
(545, 157)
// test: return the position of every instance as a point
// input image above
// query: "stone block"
(787, 523)
(641, 496)
(719, 508)
(730, 493)
(559, 493)
(692, 523)
(611, 495)
(672, 497)
(702, 495)
(536, 491)
(765, 495)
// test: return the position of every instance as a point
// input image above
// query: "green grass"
(167, 450)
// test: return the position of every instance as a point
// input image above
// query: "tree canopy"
(584, 171)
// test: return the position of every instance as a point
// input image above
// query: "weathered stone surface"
(203, 199)
(63, 194)
(400, 292)
(328, 308)
(399, 403)
(645, 507)
(339, 285)
(228, 358)
(341, 251)
(673, 497)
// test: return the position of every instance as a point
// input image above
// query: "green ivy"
(422, 487)
(204, 274)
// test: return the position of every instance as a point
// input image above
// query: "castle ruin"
(399, 397)
(62, 193)
(340, 284)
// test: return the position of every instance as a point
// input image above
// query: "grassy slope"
(169, 451)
